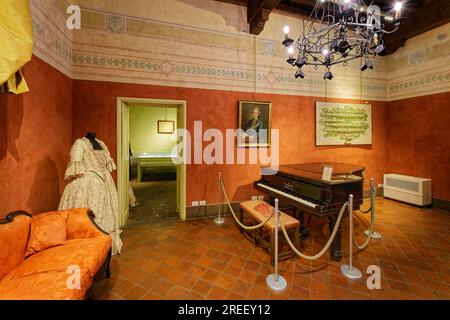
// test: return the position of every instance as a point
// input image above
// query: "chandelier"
(339, 31)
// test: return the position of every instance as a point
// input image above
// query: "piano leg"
(336, 245)
(304, 232)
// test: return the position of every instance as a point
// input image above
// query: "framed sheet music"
(343, 124)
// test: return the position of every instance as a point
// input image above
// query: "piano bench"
(258, 211)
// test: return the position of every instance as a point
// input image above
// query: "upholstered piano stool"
(255, 212)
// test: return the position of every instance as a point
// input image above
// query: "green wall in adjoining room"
(144, 135)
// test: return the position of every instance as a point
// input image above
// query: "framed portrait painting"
(254, 124)
(340, 124)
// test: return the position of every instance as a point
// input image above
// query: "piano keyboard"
(287, 195)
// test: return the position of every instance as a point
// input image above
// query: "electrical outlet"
(195, 203)
(261, 197)
(254, 197)
(203, 202)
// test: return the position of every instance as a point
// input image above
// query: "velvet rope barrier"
(372, 220)
(327, 245)
(371, 229)
(237, 220)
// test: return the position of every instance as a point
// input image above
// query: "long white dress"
(91, 186)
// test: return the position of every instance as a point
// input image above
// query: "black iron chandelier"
(339, 31)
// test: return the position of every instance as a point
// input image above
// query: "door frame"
(122, 185)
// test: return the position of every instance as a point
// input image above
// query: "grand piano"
(301, 187)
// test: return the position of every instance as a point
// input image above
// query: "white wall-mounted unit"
(408, 189)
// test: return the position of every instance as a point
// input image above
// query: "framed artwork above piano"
(254, 124)
(340, 124)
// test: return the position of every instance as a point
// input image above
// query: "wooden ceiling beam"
(433, 14)
(421, 15)
(258, 12)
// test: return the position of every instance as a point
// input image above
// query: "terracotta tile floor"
(199, 260)
(157, 201)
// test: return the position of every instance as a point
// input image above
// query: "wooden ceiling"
(421, 15)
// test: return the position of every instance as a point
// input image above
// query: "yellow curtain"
(16, 44)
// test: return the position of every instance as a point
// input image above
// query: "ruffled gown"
(91, 186)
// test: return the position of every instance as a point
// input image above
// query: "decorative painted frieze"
(112, 46)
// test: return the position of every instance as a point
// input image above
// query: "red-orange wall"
(38, 128)
(35, 140)
(419, 140)
(94, 109)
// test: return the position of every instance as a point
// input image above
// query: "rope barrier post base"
(275, 281)
(375, 235)
(349, 271)
(219, 219)
(275, 285)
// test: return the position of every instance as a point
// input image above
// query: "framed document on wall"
(166, 127)
(343, 124)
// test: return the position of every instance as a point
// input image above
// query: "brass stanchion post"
(375, 235)
(349, 271)
(219, 219)
(275, 281)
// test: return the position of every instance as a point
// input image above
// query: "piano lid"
(342, 172)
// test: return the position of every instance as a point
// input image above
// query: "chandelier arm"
(316, 12)
(346, 60)
(360, 40)
(358, 24)
(315, 40)
(389, 32)
(332, 19)
(320, 31)
(303, 30)
(311, 25)
(315, 59)
(367, 37)
(315, 44)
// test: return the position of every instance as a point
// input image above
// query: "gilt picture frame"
(254, 124)
(341, 124)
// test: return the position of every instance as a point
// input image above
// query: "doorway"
(148, 159)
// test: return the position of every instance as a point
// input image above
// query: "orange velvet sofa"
(50, 274)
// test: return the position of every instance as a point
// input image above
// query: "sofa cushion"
(84, 253)
(81, 225)
(13, 243)
(47, 230)
(45, 286)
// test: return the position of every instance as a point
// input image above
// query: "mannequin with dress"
(90, 185)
